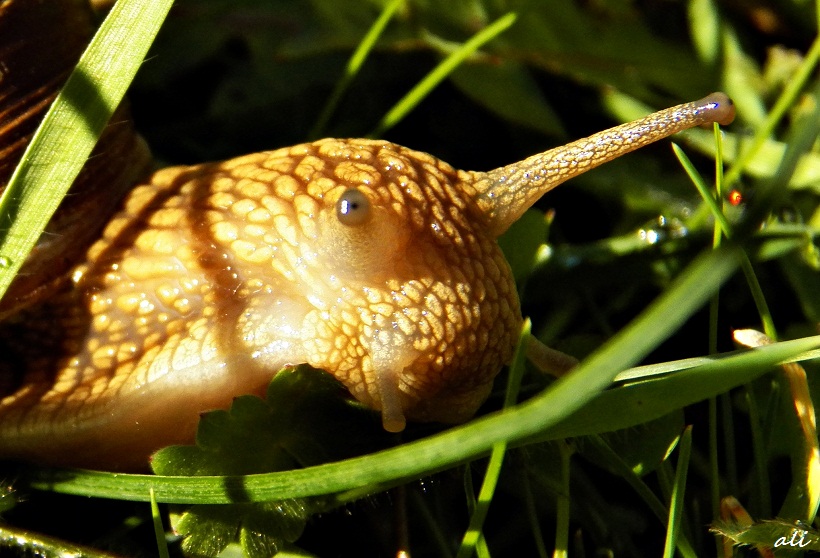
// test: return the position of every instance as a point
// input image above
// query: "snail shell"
(41, 43)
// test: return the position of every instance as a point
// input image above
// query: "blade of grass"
(704, 26)
(714, 304)
(641, 488)
(72, 126)
(727, 423)
(354, 64)
(714, 307)
(768, 192)
(759, 298)
(441, 71)
(678, 489)
(473, 535)
(714, 459)
(159, 531)
(434, 533)
(562, 512)
(703, 190)
(685, 295)
(748, 271)
(429, 455)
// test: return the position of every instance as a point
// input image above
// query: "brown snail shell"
(41, 43)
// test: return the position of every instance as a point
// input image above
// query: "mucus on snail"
(374, 262)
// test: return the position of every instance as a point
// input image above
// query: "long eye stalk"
(504, 194)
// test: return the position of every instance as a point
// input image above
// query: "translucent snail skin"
(371, 261)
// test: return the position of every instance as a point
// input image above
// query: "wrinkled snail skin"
(371, 261)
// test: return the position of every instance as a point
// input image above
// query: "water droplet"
(650, 236)
(5, 262)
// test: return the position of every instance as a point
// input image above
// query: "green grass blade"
(727, 423)
(771, 191)
(437, 452)
(714, 462)
(441, 71)
(159, 531)
(759, 298)
(678, 489)
(532, 517)
(354, 64)
(703, 190)
(562, 504)
(704, 25)
(72, 126)
(641, 488)
(714, 307)
(473, 535)
(641, 402)
(720, 218)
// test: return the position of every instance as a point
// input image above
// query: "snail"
(368, 260)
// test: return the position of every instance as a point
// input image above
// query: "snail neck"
(504, 194)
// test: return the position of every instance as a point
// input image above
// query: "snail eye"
(353, 208)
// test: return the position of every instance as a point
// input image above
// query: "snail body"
(371, 261)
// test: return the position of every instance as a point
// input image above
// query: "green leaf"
(305, 420)
(776, 534)
(240, 441)
(261, 529)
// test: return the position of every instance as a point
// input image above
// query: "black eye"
(353, 208)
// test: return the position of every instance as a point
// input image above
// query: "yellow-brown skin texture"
(215, 276)
(373, 262)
